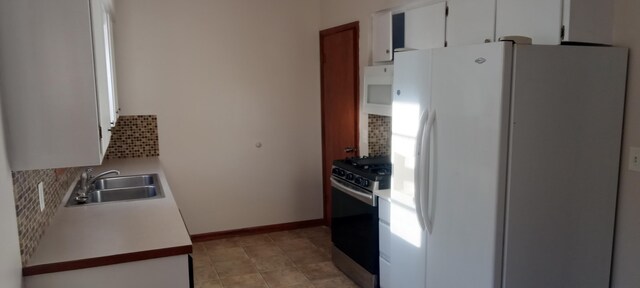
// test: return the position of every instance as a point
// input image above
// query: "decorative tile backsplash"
(379, 135)
(31, 221)
(134, 136)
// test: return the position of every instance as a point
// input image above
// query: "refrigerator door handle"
(417, 194)
(427, 175)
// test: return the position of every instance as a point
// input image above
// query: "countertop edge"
(106, 260)
(386, 194)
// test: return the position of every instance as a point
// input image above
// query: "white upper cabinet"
(101, 22)
(382, 42)
(540, 20)
(470, 22)
(554, 21)
(425, 26)
(57, 82)
(589, 21)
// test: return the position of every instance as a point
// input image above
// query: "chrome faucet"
(86, 180)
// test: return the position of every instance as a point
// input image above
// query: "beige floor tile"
(264, 250)
(204, 273)
(219, 244)
(303, 285)
(234, 268)
(209, 284)
(229, 254)
(313, 232)
(322, 270)
(244, 281)
(201, 260)
(293, 259)
(338, 282)
(198, 248)
(310, 256)
(284, 277)
(252, 240)
(295, 244)
(270, 263)
(322, 241)
(283, 235)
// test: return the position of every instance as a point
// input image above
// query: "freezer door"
(568, 106)
(411, 89)
(470, 96)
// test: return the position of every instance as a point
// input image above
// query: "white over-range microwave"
(378, 94)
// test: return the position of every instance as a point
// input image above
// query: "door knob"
(350, 149)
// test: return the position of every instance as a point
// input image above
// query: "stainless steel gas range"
(354, 219)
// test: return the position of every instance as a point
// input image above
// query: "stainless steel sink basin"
(124, 182)
(121, 188)
(120, 194)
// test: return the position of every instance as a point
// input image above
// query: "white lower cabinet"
(166, 272)
(385, 273)
(384, 216)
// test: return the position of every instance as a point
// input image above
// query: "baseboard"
(256, 230)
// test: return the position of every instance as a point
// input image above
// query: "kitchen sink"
(120, 188)
(124, 182)
(120, 194)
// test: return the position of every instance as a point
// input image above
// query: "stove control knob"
(358, 180)
(350, 176)
(334, 171)
(341, 173)
(365, 183)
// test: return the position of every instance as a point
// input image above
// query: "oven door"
(354, 224)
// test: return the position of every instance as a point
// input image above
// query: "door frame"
(355, 26)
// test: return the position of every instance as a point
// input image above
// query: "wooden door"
(340, 101)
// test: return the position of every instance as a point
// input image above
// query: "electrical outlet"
(41, 195)
(634, 159)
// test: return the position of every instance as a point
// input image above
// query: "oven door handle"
(364, 197)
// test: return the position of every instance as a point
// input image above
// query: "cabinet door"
(588, 21)
(104, 69)
(471, 22)
(540, 20)
(382, 38)
(425, 26)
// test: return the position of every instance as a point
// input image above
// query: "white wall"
(626, 265)
(221, 76)
(10, 263)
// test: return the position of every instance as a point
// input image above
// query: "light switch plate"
(634, 159)
(41, 195)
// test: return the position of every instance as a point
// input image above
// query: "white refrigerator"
(505, 161)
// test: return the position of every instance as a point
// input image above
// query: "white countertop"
(115, 228)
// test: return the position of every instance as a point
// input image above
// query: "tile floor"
(295, 258)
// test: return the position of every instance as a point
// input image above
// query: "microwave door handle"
(427, 175)
(417, 194)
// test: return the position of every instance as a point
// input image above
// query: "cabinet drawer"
(385, 274)
(384, 210)
(385, 241)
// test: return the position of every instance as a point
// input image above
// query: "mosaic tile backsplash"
(379, 135)
(134, 136)
(31, 221)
